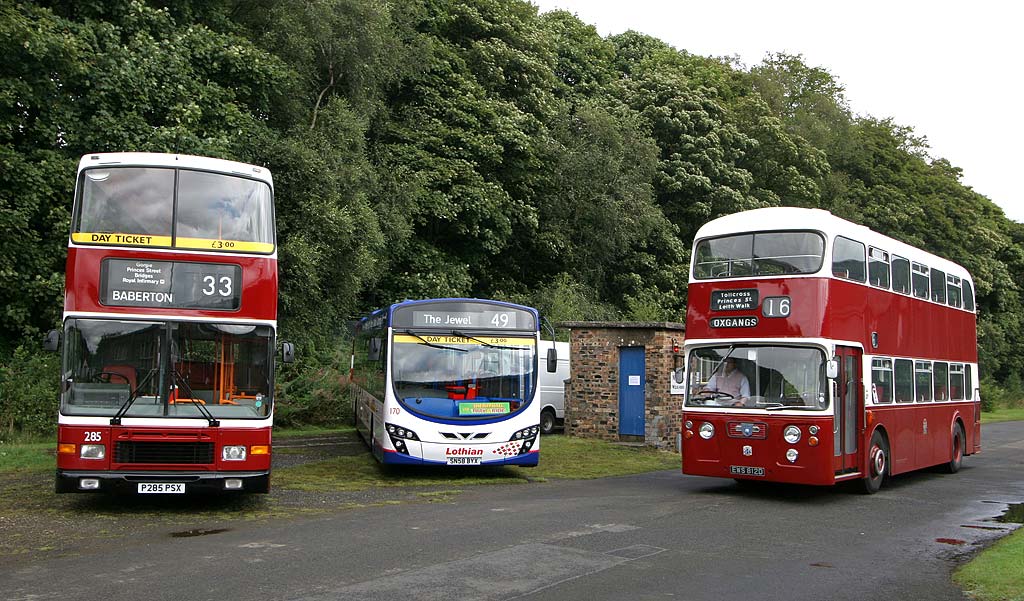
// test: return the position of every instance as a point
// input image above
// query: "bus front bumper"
(161, 482)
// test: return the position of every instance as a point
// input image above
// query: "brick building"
(621, 382)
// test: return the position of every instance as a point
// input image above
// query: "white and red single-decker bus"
(819, 351)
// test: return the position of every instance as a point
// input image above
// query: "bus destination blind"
(170, 284)
(465, 319)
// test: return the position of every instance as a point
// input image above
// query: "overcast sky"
(951, 70)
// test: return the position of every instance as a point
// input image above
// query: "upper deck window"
(214, 207)
(954, 292)
(938, 286)
(848, 259)
(900, 275)
(968, 296)
(164, 207)
(764, 254)
(127, 200)
(919, 280)
(878, 267)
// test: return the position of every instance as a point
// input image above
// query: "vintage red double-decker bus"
(170, 319)
(819, 351)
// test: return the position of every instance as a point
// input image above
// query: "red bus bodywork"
(857, 322)
(168, 450)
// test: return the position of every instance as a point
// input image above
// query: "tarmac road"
(653, 536)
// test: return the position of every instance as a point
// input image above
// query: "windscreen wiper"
(488, 344)
(116, 420)
(426, 342)
(178, 378)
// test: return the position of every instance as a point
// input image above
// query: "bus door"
(849, 405)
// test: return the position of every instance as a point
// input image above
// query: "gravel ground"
(37, 523)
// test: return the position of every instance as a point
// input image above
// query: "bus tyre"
(547, 421)
(957, 452)
(878, 463)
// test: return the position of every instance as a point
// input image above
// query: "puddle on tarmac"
(198, 532)
(1014, 514)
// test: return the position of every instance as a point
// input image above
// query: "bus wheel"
(878, 464)
(957, 452)
(547, 421)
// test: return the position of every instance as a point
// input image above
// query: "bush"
(29, 391)
(1006, 395)
(313, 390)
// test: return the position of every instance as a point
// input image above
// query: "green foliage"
(29, 392)
(457, 148)
(312, 392)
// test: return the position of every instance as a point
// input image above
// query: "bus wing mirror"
(832, 369)
(52, 340)
(552, 360)
(288, 352)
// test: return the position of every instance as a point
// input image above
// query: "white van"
(552, 387)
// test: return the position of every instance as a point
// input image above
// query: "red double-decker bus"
(819, 351)
(170, 318)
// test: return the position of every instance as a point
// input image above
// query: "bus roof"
(820, 220)
(185, 161)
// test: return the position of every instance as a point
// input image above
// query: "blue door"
(632, 381)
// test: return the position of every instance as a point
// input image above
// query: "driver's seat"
(125, 371)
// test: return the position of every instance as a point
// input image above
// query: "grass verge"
(310, 431)
(1002, 414)
(39, 456)
(561, 457)
(997, 574)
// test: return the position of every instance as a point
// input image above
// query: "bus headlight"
(707, 430)
(92, 451)
(791, 434)
(400, 432)
(399, 436)
(233, 453)
(791, 455)
(528, 436)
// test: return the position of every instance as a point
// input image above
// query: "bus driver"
(731, 381)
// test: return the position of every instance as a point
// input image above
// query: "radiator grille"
(748, 430)
(163, 452)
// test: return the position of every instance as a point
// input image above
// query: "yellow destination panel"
(228, 245)
(120, 239)
(448, 339)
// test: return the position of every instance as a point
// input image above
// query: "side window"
(968, 296)
(900, 275)
(968, 384)
(878, 267)
(369, 358)
(848, 259)
(939, 286)
(956, 382)
(919, 280)
(881, 380)
(954, 293)
(923, 380)
(904, 377)
(941, 373)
